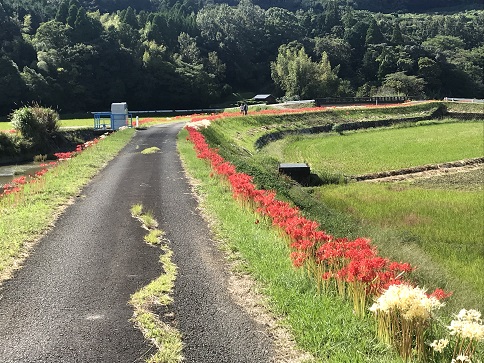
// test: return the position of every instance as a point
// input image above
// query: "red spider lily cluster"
(11, 131)
(79, 148)
(216, 116)
(277, 111)
(14, 191)
(351, 267)
(66, 155)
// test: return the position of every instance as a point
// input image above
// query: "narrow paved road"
(69, 302)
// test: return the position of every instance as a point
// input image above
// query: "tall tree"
(13, 87)
(130, 18)
(62, 11)
(404, 85)
(296, 74)
(86, 29)
(397, 37)
(374, 34)
(72, 14)
(429, 70)
(189, 51)
(333, 17)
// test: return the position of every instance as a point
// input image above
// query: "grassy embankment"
(322, 325)
(445, 223)
(22, 223)
(236, 138)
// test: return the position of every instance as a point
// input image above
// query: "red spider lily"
(213, 117)
(40, 173)
(65, 156)
(225, 169)
(264, 198)
(17, 184)
(298, 258)
(145, 120)
(354, 265)
(440, 294)
(11, 131)
(20, 181)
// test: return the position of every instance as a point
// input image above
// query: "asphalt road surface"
(69, 303)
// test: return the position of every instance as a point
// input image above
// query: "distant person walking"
(246, 108)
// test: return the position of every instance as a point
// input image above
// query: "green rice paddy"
(384, 149)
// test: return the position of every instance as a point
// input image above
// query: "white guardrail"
(470, 100)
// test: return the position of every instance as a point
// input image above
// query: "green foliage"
(148, 220)
(8, 146)
(295, 73)
(374, 34)
(166, 54)
(402, 85)
(36, 124)
(12, 85)
(158, 292)
(150, 150)
(391, 149)
(439, 223)
(136, 210)
(425, 235)
(153, 237)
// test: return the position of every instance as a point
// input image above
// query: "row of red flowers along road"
(14, 192)
(351, 267)
(280, 111)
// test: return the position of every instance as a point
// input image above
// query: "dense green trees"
(300, 77)
(83, 55)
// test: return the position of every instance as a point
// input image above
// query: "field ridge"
(420, 169)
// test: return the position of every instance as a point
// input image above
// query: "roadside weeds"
(166, 338)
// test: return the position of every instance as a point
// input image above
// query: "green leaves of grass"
(158, 292)
(150, 150)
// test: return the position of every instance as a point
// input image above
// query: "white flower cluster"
(202, 124)
(411, 302)
(439, 345)
(468, 325)
(461, 359)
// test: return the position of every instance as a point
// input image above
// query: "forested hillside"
(81, 55)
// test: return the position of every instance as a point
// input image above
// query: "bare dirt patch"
(424, 171)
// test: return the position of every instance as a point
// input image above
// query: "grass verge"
(323, 325)
(157, 293)
(23, 224)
